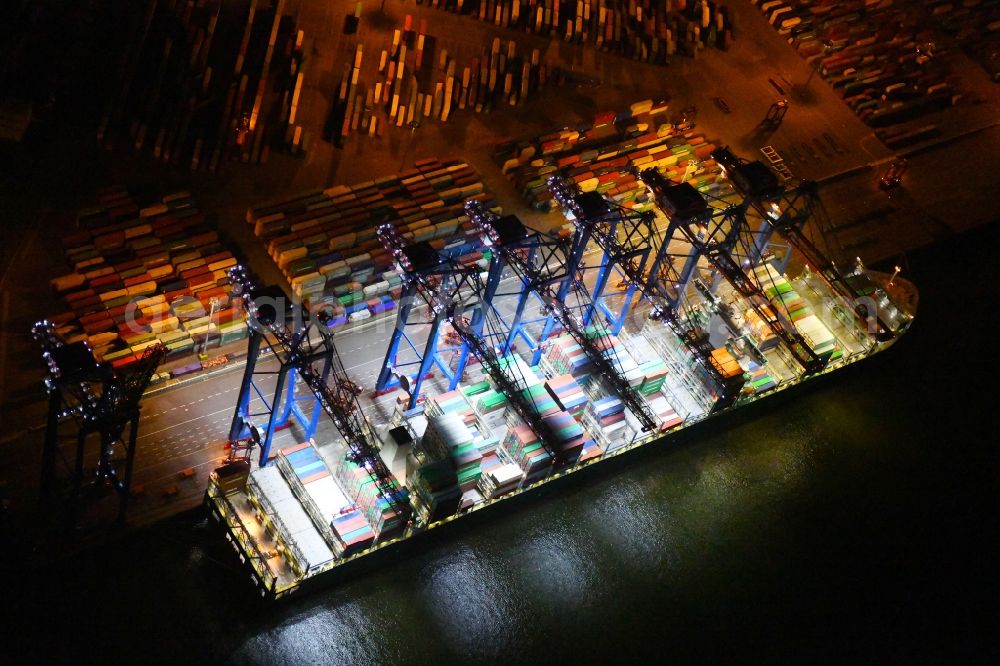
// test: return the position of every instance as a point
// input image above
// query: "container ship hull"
(248, 526)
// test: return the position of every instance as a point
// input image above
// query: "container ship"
(519, 357)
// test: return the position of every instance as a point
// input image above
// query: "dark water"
(849, 520)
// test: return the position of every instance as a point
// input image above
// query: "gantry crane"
(626, 238)
(100, 399)
(721, 235)
(549, 267)
(300, 342)
(449, 290)
(425, 272)
(786, 210)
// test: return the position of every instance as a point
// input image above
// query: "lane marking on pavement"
(180, 423)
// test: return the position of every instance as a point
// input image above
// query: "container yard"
(202, 83)
(686, 288)
(147, 275)
(325, 243)
(642, 30)
(887, 59)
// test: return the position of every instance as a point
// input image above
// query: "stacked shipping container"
(325, 242)
(147, 274)
(597, 158)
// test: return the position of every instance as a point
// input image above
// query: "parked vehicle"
(894, 174)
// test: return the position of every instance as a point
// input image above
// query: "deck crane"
(301, 342)
(542, 277)
(618, 232)
(448, 289)
(100, 399)
(718, 252)
(786, 210)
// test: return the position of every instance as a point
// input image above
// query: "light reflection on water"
(467, 600)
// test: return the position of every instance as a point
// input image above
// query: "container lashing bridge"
(786, 211)
(626, 238)
(550, 267)
(304, 348)
(99, 399)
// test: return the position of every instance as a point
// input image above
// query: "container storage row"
(146, 274)
(194, 92)
(529, 452)
(644, 30)
(413, 78)
(325, 241)
(322, 498)
(879, 55)
(599, 157)
(448, 438)
(376, 505)
(975, 25)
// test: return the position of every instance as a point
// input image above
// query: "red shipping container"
(168, 230)
(192, 220)
(171, 296)
(193, 273)
(124, 211)
(98, 326)
(76, 239)
(146, 252)
(62, 318)
(109, 240)
(77, 297)
(227, 315)
(218, 256)
(204, 239)
(201, 282)
(123, 361)
(106, 283)
(127, 265)
(162, 221)
(88, 319)
(138, 279)
(118, 311)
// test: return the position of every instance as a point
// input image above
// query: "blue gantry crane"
(305, 351)
(296, 340)
(425, 272)
(548, 266)
(623, 237)
(460, 296)
(100, 399)
(718, 238)
(627, 238)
